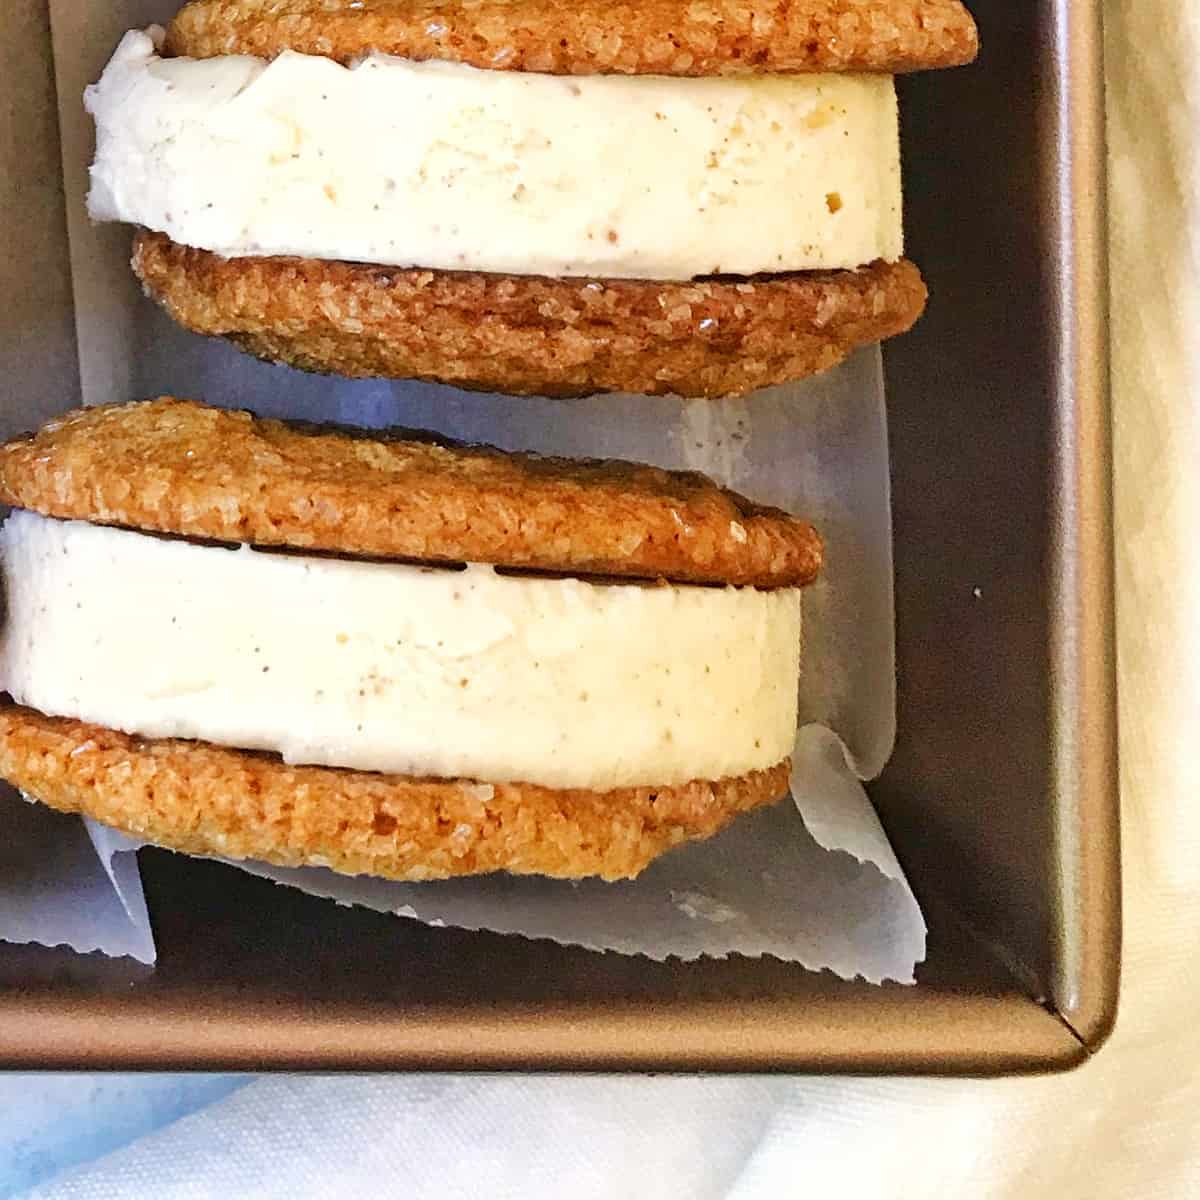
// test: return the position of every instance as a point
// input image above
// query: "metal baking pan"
(1001, 798)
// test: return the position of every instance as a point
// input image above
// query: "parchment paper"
(830, 895)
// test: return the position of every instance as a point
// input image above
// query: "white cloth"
(1126, 1124)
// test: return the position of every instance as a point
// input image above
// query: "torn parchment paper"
(67, 882)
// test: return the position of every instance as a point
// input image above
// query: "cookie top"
(562, 37)
(179, 467)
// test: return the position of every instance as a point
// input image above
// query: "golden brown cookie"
(650, 37)
(175, 466)
(208, 800)
(530, 334)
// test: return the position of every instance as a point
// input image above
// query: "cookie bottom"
(531, 335)
(209, 800)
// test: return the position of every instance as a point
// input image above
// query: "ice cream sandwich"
(387, 656)
(698, 197)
